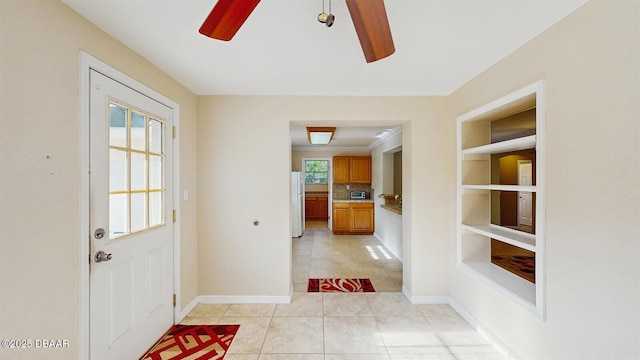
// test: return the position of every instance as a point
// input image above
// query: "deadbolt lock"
(99, 233)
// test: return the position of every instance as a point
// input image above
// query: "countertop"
(394, 208)
(316, 193)
(352, 200)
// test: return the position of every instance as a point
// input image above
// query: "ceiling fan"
(369, 18)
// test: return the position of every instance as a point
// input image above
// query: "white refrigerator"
(297, 203)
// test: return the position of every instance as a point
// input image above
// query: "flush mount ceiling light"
(383, 133)
(320, 135)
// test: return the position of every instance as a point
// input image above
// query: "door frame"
(519, 206)
(329, 184)
(88, 63)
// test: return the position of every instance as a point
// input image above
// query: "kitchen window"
(316, 171)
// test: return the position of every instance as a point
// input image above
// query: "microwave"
(360, 195)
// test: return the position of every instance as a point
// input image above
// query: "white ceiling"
(283, 50)
(361, 138)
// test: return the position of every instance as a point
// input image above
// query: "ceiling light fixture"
(325, 18)
(320, 135)
(383, 133)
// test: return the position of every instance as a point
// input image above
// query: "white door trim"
(329, 187)
(88, 62)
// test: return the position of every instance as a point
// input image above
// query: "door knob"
(101, 256)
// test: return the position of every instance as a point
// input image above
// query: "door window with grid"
(136, 170)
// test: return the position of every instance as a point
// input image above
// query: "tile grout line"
(386, 347)
(438, 334)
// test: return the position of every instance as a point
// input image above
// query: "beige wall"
(388, 225)
(244, 159)
(590, 63)
(39, 167)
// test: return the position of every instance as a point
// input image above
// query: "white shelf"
(527, 142)
(500, 187)
(517, 238)
(513, 286)
(474, 187)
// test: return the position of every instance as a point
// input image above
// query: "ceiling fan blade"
(372, 26)
(226, 18)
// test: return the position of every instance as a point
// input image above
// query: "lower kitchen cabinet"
(322, 208)
(310, 208)
(353, 218)
(340, 218)
(316, 208)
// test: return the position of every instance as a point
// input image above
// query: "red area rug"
(197, 342)
(340, 285)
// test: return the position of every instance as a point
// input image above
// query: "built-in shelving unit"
(481, 195)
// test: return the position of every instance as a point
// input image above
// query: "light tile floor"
(352, 326)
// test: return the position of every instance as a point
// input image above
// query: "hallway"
(342, 326)
(320, 254)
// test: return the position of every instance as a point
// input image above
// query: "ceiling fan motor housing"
(330, 19)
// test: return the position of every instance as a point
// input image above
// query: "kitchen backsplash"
(341, 192)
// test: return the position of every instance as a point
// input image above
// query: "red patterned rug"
(340, 285)
(196, 342)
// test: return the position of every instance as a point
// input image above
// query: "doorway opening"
(321, 253)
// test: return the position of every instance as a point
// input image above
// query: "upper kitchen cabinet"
(360, 171)
(352, 169)
(341, 169)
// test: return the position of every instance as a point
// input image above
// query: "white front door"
(525, 198)
(131, 285)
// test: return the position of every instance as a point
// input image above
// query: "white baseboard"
(182, 314)
(243, 299)
(424, 299)
(494, 340)
(215, 299)
(481, 329)
(375, 235)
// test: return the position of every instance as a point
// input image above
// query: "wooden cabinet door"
(361, 218)
(341, 169)
(341, 218)
(310, 208)
(360, 169)
(322, 208)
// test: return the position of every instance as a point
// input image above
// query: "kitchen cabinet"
(322, 208)
(340, 218)
(352, 169)
(340, 169)
(353, 218)
(316, 208)
(361, 217)
(360, 170)
(309, 208)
